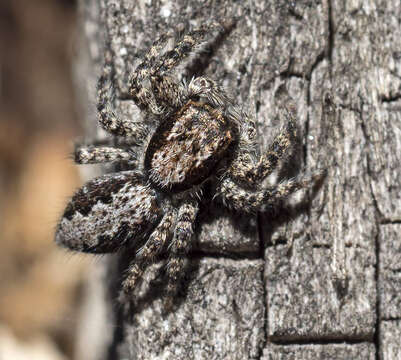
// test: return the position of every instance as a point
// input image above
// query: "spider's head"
(208, 90)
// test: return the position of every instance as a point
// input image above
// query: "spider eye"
(203, 82)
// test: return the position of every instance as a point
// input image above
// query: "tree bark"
(322, 283)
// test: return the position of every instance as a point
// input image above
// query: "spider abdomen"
(187, 146)
(108, 211)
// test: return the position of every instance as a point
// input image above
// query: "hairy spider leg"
(180, 245)
(155, 50)
(90, 154)
(153, 246)
(108, 120)
(246, 170)
(164, 90)
(238, 198)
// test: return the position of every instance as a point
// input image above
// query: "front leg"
(152, 88)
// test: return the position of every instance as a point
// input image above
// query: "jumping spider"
(197, 135)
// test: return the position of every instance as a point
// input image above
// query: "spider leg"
(180, 245)
(154, 51)
(238, 198)
(102, 154)
(108, 120)
(153, 246)
(248, 171)
(161, 90)
(192, 42)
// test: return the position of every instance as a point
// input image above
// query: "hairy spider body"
(198, 135)
(185, 149)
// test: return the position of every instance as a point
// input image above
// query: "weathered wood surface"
(325, 284)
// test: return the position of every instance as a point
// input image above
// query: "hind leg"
(180, 245)
(153, 246)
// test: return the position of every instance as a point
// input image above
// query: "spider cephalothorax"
(186, 148)
(197, 135)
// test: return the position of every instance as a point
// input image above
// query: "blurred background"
(40, 285)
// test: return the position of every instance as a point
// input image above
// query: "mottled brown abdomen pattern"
(187, 146)
(121, 208)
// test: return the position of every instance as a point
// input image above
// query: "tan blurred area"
(40, 285)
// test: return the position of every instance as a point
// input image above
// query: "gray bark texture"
(321, 283)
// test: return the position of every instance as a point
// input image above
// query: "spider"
(194, 135)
